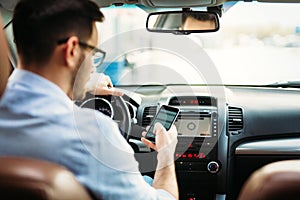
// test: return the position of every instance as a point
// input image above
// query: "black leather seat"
(23, 178)
(275, 181)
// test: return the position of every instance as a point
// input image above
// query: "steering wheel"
(114, 107)
(125, 122)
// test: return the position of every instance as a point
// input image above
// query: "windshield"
(257, 44)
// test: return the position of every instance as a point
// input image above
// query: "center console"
(197, 162)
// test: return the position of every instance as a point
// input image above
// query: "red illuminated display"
(191, 102)
(190, 155)
(194, 102)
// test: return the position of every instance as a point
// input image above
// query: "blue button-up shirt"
(38, 120)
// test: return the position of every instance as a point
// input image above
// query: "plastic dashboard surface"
(271, 132)
(264, 114)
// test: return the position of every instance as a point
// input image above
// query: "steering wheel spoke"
(115, 108)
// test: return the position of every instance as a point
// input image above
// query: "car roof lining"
(10, 4)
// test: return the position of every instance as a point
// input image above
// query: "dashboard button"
(213, 167)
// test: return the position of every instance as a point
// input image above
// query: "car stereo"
(197, 127)
(197, 123)
(196, 154)
(197, 135)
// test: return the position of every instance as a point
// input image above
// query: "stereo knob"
(213, 167)
(214, 114)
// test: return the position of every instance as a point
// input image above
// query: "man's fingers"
(147, 128)
(117, 92)
(101, 84)
(148, 143)
(158, 128)
(109, 83)
(112, 91)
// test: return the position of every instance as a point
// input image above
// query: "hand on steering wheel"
(100, 84)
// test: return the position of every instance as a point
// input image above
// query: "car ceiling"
(9, 4)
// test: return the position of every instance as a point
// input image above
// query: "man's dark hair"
(39, 24)
(198, 16)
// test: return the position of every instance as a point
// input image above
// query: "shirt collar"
(25, 78)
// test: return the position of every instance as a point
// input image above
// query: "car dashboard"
(224, 132)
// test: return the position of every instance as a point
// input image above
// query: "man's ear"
(72, 52)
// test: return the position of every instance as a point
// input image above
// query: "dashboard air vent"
(235, 120)
(148, 115)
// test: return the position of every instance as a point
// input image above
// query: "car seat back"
(23, 178)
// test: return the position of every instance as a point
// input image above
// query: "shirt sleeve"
(163, 194)
(107, 164)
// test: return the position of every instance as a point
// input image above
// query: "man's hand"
(100, 84)
(165, 143)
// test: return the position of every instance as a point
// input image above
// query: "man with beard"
(56, 44)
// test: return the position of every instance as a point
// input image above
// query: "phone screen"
(166, 116)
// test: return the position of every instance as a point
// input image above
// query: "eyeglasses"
(98, 55)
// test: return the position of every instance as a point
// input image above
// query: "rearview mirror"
(182, 22)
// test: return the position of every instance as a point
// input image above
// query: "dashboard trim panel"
(270, 147)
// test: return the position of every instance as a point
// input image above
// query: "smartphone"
(166, 116)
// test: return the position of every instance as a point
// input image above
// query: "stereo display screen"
(200, 127)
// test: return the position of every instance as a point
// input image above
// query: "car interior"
(236, 140)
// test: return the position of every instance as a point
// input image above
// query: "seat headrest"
(23, 178)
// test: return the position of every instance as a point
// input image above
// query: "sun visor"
(179, 3)
(279, 1)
